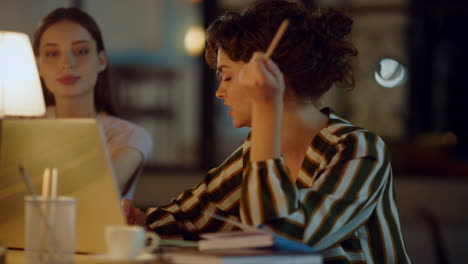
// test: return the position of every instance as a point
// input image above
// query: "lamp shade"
(20, 86)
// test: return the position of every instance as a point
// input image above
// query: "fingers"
(126, 206)
(253, 73)
(262, 79)
(274, 69)
(140, 217)
(137, 217)
(265, 68)
(133, 215)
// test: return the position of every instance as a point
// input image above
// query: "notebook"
(250, 239)
(78, 149)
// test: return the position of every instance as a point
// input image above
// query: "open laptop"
(78, 149)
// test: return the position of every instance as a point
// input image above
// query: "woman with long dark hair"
(72, 63)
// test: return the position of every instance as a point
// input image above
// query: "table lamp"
(20, 86)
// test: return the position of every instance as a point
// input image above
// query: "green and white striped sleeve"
(351, 173)
(217, 194)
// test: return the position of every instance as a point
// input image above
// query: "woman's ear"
(102, 60)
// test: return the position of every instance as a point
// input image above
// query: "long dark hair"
(103, 97)
(313, 55)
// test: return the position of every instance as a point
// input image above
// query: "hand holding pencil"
(261, 77)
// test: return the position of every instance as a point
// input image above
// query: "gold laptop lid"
(78, 149)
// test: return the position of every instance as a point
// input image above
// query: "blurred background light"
(390, 73)
(194, 40)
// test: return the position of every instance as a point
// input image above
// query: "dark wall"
(439, 67)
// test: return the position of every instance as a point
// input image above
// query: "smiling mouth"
(68, 80)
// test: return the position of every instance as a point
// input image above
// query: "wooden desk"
(17, 257)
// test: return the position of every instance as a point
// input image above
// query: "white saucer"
(142, 258)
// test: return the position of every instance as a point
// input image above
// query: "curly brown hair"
(313, 54)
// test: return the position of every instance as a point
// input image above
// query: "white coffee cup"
(127, 242)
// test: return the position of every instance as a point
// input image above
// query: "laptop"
(78, 149)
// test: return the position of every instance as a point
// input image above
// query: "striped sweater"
(342, 202)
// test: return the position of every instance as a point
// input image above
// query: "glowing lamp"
(20, 86)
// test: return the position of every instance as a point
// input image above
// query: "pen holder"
(50, 230)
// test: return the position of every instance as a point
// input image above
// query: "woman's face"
(68, 60)
(232, 92)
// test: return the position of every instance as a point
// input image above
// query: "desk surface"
(17, 257)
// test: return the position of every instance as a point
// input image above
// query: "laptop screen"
(78, 149)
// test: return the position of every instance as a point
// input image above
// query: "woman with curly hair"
(304, 172)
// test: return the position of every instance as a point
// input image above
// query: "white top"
(120, 133)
